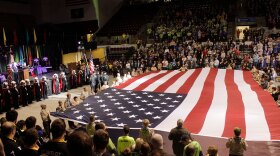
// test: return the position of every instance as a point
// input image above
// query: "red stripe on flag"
(269, 106)
(169, 82)
(184, 89)
(133, 79)
(150, 81)
(195, 119)
(235, 116)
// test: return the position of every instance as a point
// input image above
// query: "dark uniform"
(175, 135)
(23, 95)
(37, 90)
(73, 80)
(30, 96)
(63, 83)
(44, 88)
(15, 96)
(6, 98)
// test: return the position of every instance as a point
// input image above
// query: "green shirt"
(196, 146)
(125, 142)
(111, 147)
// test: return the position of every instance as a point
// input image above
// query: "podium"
(23, 74)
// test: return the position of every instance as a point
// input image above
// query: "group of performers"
(24, 93)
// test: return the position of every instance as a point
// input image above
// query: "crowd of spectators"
(25, 138)
(199, 21)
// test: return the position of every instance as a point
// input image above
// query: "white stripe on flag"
(160, 81)
(142, 80)
(183, 110)
(177, 85)
(256, 125)
(215, 119)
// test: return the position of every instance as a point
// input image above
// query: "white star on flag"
(126, 98)
(143, 101)
(150, 96)
(136, 106)
(117, 103)
(144, 93)
(76, 112)
(87, 104)
(121, 124)
(114, 99)
(161, 94)
(106, 93)
(118, 92)
(139, 120)
(115, 119)
(97, 97)
(102, 106)
(168, 98)
(164, 111)
(157, 107)
(89, 108)
(156, 99)
(142, 109)
(150, 104)
(133, 94)
(138, 97)
(122, 95)
(163, 103)
(79, 117)
(179, 96)
(175, 101)
(98, 120)
(110, 114)
(149, 113)
(121, 107)
(91, 112)
(132, 116)
(126, 112)
(110, 97)
(157, 117)
(130, 102)
(107, 110)
(98, 101)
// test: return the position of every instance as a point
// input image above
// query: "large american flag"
(210, 101)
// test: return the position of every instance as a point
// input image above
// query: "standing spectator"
(37, 89)
(84, 94)
(30, 143)
(125, 141)
(236, 145)
(157, 144)
(56, 146)
(146, 133)
(212, 151)
(90, 127)
(75, 101)
(175, 135)
(100, 142)
(110, 146)
(79, 143)
(12, 116)
(8, 131)
(2, 152)
(67, 104)
(60, 107)
(15, 95)
(191, 144)
(45, 115)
